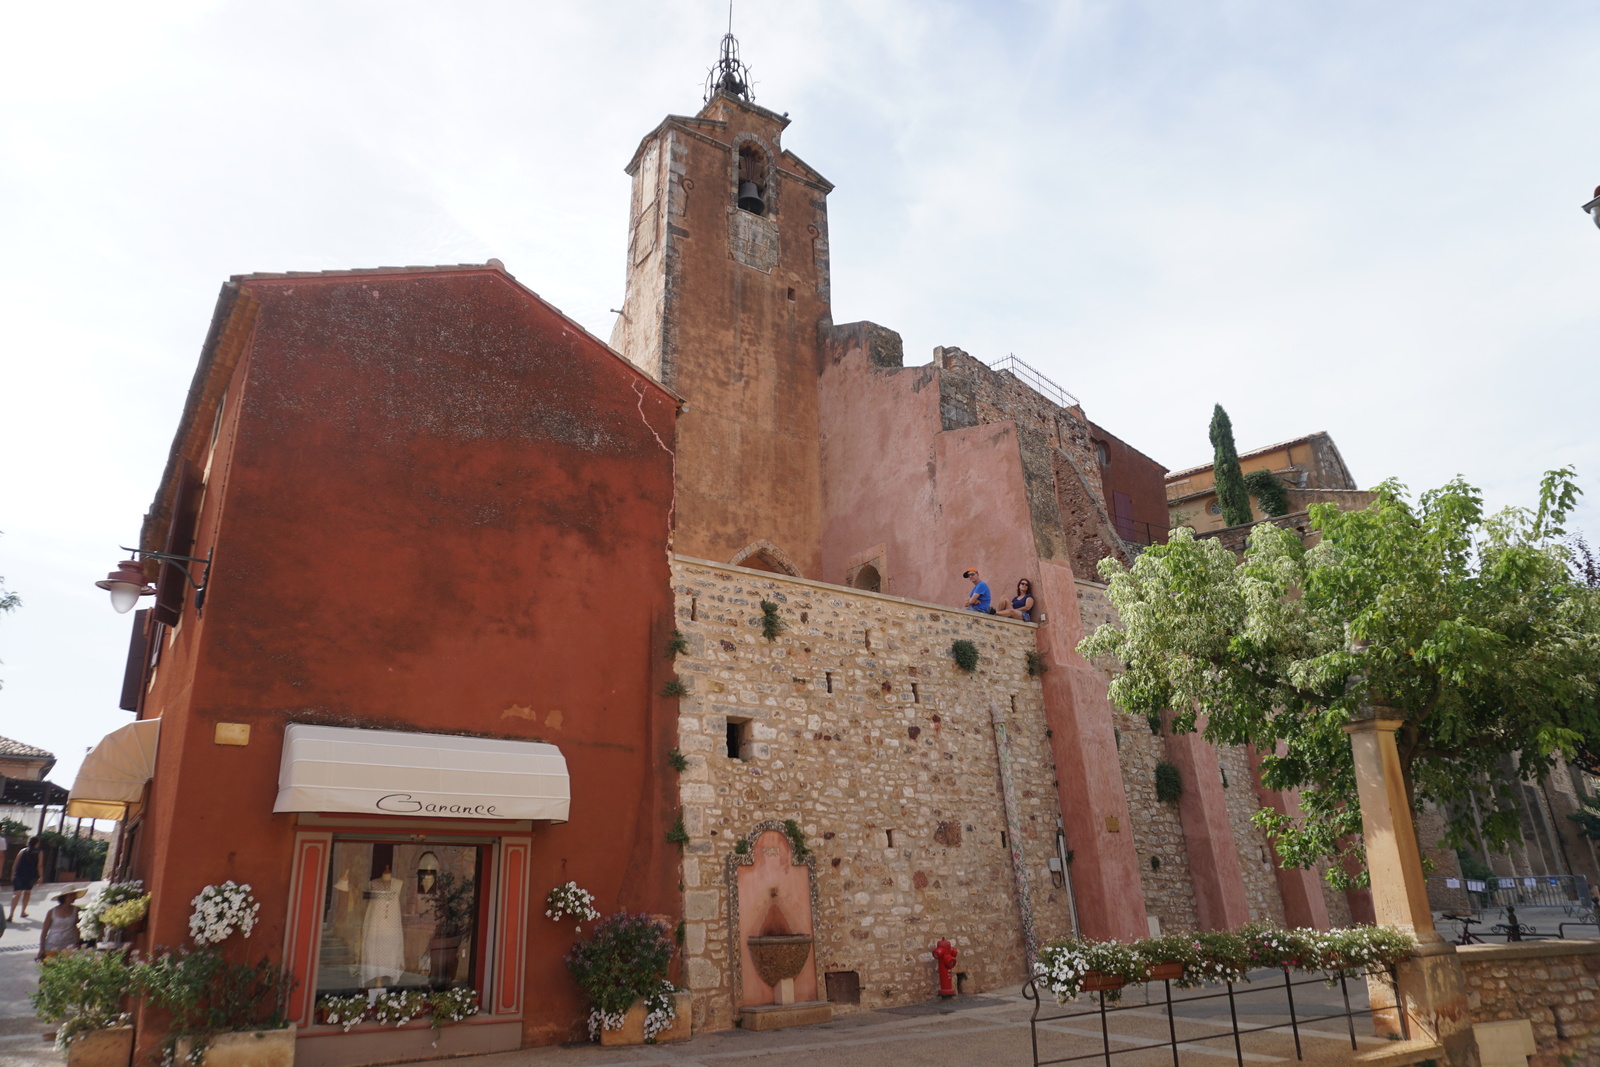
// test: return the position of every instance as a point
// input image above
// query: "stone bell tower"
(727, 284)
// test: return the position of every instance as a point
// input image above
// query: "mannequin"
(382, 942)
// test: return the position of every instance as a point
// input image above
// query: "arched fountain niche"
(773, 902)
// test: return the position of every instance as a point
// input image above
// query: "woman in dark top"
(1021, 604)
(24, 876)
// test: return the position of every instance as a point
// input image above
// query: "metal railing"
(1138, 532)
(1031, 992)
(1034, 380)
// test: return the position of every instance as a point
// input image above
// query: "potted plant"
(1171, 957)
(92, 926)
(1069, 966)
(223, 1013)
(454, 908)
(623, 970)
(83, 991)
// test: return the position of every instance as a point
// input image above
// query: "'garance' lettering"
(406, 804)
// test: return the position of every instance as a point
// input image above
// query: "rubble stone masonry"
(856, 723)
(1553, 983)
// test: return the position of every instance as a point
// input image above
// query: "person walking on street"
(24, 876)
(60, 931)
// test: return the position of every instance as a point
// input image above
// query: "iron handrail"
(1030, 991)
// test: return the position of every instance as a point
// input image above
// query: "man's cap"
(969, 570)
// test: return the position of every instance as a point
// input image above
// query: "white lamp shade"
(124, 595)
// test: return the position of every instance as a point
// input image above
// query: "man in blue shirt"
(979, 600)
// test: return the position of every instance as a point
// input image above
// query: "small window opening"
(868, 635)
(916, 697)
(889, 834)
(828, 677)
(791, 294)
(1102, 453)
(1004, 843)
(961, 982)
(1013, 704)
(694, 604)
(868, 578)
(739, 739)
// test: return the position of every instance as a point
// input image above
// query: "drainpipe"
(1019, 871)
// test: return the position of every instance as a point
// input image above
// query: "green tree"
(1470, 626)
(1232, 497)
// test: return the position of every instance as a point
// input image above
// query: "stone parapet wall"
(860, 726)
(1553, 983)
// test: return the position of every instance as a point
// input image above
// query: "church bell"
(750, 198)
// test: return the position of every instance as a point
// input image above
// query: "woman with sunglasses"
(1021, 604)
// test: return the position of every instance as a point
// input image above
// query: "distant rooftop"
(1176, 475)
(17, 749)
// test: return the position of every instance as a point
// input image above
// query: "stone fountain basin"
(779, 956)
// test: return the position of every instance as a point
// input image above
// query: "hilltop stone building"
(402, 491)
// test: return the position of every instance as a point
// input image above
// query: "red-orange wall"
(446, 510)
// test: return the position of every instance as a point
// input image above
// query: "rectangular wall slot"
(739, 739)
(916, 697)
(889, 835)
(828, 676)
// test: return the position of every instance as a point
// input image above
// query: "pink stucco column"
(1094, 807)
(1300, 888)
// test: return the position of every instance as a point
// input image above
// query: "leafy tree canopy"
(1471, 627)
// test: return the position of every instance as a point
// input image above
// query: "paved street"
(990, 1028)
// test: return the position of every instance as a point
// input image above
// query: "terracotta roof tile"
(9, 747)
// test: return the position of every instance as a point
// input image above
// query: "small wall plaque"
(232, 733)
(1112, 826)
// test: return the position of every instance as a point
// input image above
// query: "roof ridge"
(10, 747)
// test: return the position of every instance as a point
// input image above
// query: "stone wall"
(1553, 983)
(1255, 857)
(861, 728)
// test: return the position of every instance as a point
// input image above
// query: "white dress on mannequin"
(383, 946)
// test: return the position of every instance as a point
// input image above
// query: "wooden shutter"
(171, 585)
(133, 673)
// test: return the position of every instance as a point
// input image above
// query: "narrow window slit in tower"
(890, 835)
(868, 635)
(1013, 703)
(791, 294)
(694, 605)
(916, 698)
(828, 677)
(1003, 842)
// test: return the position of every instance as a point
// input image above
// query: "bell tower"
(727, 286)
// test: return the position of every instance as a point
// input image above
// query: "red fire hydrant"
(945, 953)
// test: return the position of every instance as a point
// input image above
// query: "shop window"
(402, 915)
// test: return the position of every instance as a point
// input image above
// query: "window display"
(400, 915)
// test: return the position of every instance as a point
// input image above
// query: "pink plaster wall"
(774, 879)
(1301, 889)
(1214, 872)
(937, 501)
(1105, 867)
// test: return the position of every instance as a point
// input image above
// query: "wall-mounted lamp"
(127, 583)
(1593, 207)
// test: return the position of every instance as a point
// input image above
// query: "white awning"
(113, 776)
(438, 776)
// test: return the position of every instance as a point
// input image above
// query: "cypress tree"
(1232, 496)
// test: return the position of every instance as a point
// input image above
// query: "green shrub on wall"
(965, 653)
(1169, 783)
(771, 625)
(1269, 493)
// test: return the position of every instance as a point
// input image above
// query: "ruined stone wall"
(1255, 857)
(1554, 984)
(860, 725)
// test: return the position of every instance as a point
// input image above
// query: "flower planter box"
(1165, 972)
(123, 933)
(249, 1048)
(102, 1048)
(1095, 982)
(632, 1031)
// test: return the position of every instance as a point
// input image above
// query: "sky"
(1358, 217)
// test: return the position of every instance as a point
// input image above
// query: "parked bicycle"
(1466, 937)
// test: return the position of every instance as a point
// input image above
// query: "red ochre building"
(445, 536)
